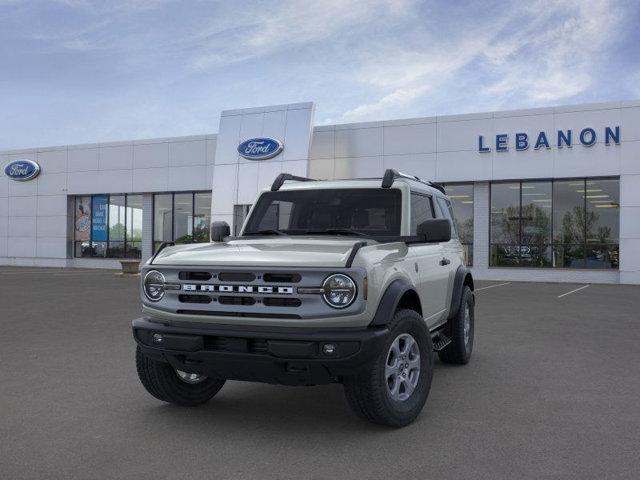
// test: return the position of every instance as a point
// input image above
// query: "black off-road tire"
(368, 393)
(458, 352)
(161, 381)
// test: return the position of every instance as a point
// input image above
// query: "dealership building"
(548, 194)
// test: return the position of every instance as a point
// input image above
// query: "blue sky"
(77, 71)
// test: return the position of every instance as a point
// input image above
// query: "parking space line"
(492, 286)
(56, 273)
(573, 291)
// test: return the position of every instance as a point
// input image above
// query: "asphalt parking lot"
(552, 391)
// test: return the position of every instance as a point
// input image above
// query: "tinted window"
(447, 212)
(421, 210)
(368, 211)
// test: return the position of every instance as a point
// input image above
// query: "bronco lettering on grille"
(190, 287)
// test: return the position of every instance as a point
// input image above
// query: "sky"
(80, 71)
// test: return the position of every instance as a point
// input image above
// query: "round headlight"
(339, 291)
(153, 285)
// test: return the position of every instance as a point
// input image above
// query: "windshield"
(362, 211)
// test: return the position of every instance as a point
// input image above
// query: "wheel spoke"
(414, 364)
(409, 342)
(407, 388)
(395, 385)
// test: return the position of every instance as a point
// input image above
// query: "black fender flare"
(389, 301)
(463, 276)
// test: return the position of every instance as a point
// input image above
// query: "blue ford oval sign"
(260, 148)
(22, 170)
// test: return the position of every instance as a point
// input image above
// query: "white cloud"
(554, 63)
(259, 32)
(543, 52)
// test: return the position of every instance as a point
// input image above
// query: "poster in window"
(99, 214)
(83, 219)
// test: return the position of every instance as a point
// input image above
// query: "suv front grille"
(249, 292)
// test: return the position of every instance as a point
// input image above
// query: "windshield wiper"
(266, 232)
(336, 231)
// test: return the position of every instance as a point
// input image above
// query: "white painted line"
(56, 273)
(573, 291)
(492, 286)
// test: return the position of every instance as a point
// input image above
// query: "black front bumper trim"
(288, 356)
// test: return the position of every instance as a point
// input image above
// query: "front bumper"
(287, 356)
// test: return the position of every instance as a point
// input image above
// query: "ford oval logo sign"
(22, 170)
(260, 148)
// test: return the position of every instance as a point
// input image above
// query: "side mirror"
(219, 230)
(435, 230)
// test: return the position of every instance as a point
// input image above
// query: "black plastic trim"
(291, 356)
(389, 302)
(390, 176)
(458, 285)
(283, 177)
(354, 250)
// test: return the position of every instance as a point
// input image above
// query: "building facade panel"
(98, 200)
(151, 155)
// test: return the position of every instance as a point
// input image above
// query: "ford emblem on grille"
(260, 148)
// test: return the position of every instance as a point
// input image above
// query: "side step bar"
(440, 340)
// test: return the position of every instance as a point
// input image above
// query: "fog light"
(157, 338)
(328, 348)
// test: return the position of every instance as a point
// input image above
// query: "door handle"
(445, 261)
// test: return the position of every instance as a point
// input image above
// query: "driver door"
(433, 276)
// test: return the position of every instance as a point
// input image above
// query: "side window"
(421, 210)
(447, 212)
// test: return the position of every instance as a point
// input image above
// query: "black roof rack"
(390, 175)
(283, 177)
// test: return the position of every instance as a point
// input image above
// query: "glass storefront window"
(134, 226)
(182, 217)
(535, 242)
(461, 196)
(505, 224)
(117, 220)
(201, 217)
(108, 226)
(568, 223)
(562, 224)
(603, 223)
(162, 219)
(82, 226)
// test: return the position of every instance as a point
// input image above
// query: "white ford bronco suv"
(349, 281)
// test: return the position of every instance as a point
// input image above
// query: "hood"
(267, 252)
